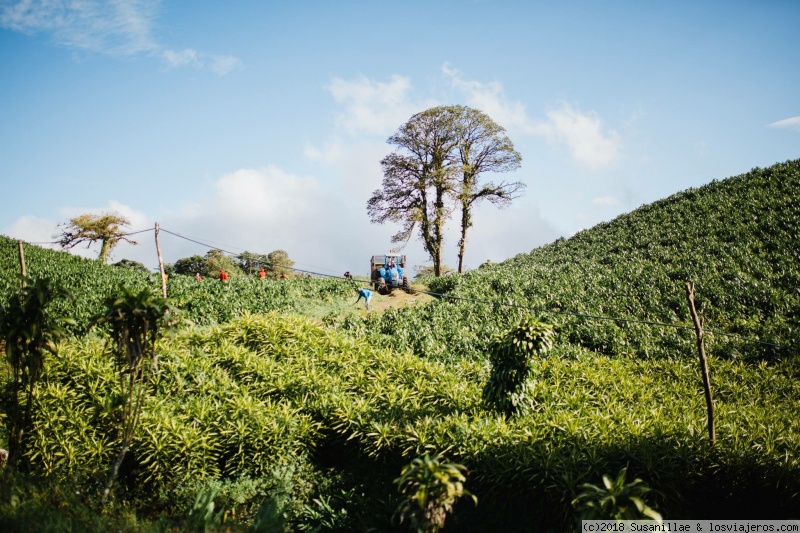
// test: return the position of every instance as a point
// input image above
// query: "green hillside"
(737, 240)
(207, 302)
(299, 426)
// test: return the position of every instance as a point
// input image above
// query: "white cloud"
(589, 142)
(181, 58)
(374, 107)
(221, 65)
(116, 28)
(32, 229)
(266, 209)
(792, 123)
(605, 200)
(42, 232)
(584, 135)
(491, 99)
(330, 152)
(112, 27)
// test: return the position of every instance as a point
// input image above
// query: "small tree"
(423, 271)
(278, 263)
(511, 359)
(251, 262)
(28, 331)
(431, 486)
(132, 265)
(134, 323)
(216, 260)
(189, 266)
(106, 228)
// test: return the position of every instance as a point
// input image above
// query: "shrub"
(431, 486)
(511, 359)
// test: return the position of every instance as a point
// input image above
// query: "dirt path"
(398, 298)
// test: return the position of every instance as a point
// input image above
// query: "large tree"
(440, 155)
(417, 179)
(105, 227)
(483, 146)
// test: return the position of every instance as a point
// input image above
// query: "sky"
(260, 125)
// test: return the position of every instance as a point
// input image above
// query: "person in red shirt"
(261, 273)
(223, 276)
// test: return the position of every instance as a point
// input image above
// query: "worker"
(198, 277)
(366, 294)
(262, 273)
(223, 276)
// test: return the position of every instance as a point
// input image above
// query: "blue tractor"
(388, 272)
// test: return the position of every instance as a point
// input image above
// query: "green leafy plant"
(28, 331)
(202, 518)
(511, 358)
(615, 500)
(430, 486)
(134, 322)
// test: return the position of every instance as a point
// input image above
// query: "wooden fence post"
(22, 264)
(161, 267)
(698, 330)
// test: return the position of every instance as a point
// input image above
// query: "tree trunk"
(104, 249)
(438, 232)
(466, 222)
(113, 475)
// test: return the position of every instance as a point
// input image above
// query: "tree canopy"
(216, 260)
(105, 227)
(483, 146)
(275, 263)
(440, 155)
(132, 265)
(189, 266)
(278, 264)
(251, 262)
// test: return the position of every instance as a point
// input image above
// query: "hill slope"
(208, 302)
(738, 240)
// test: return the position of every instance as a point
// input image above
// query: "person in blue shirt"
(366, 294)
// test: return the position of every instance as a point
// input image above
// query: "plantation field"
(737, 240)
(236, 402)
(295, 410)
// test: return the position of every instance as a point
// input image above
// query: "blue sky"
(256, 125)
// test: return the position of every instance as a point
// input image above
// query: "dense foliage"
(738, 240)
(205, 302)
(302, 424)
(234, 403)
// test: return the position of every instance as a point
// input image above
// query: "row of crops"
(265, 400)
(311, 419)
(206, 302)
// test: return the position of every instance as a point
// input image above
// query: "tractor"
(387, 272)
